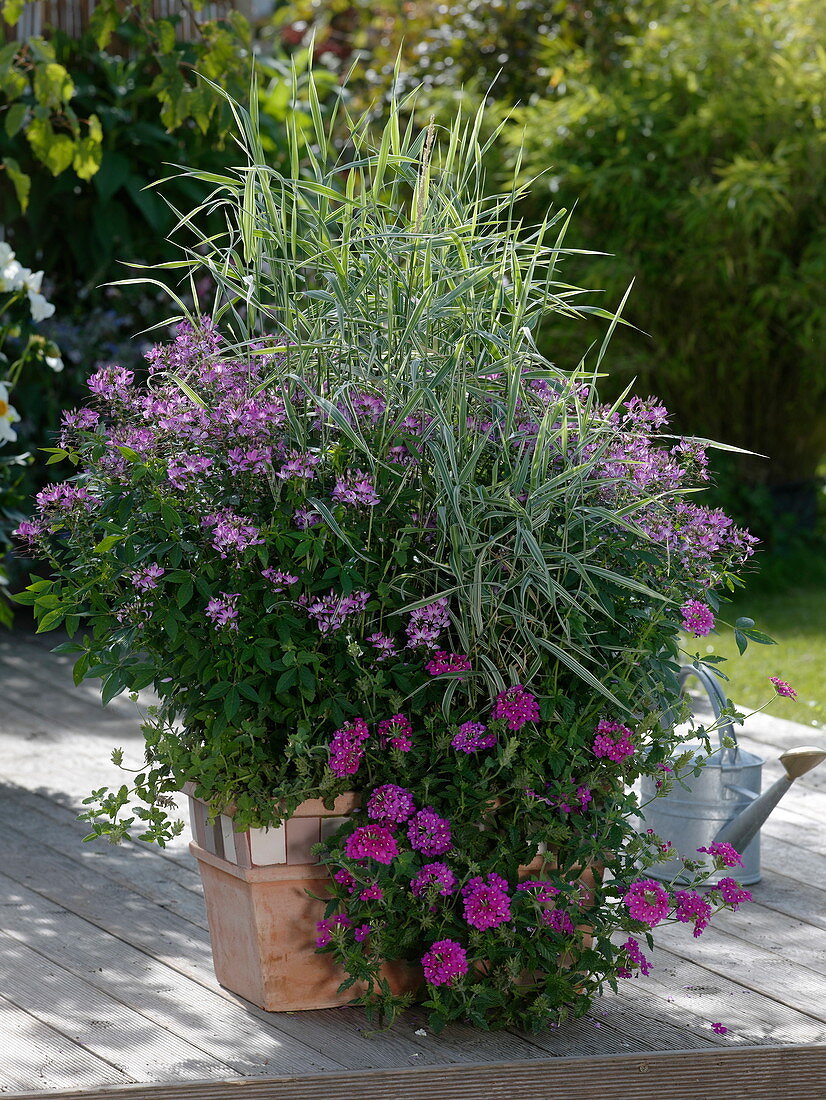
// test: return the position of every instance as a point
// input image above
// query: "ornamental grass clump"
(358, 534)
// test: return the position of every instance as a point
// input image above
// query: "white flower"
(41, 309)
(32, 281)
(8, 416)
(6, 254)
(420, 1031)
(11, 276)
(55, 362)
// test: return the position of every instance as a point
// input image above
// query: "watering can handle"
(715, 696)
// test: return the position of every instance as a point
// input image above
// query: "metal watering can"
(723, 803)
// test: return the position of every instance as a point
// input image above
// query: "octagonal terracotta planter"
(262, 922)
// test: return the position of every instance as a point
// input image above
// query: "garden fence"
(72, 16)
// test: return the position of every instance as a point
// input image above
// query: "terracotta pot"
(262, 923)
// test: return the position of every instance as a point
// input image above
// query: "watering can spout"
(744, 828)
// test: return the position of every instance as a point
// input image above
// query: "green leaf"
(286, 680)
(50, 620)
(15, 117)
(22, 183)
(87, 158)
(54, 150)
(12, 10)
(107, 543)
(53, 87)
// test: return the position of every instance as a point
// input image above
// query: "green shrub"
(696, 155)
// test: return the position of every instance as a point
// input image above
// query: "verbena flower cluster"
(467, 610)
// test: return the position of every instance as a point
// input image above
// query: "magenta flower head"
(782, 688)
(443, 662)
(396, 733)
(613, 741)
(733, 893)
(390, 804)
(437, 876)
(516, 706)
(698, 618)
(371, 842)
(647, 901)
(444, 963)
(472, 737)
(430, 834)
(636, 958)
(692, 908)
(347, 748)
(728, 856)
(486, 906)
(327, 928)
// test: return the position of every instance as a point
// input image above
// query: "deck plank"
(121, 932)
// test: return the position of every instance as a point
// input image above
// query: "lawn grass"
(787, 600)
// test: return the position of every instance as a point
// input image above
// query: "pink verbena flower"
(719, 1028)
(558, 920)
(473, 736)
(647, 901)
(396, 732)
(733, 894)
(327, 928)
(443, 662)
(345, 879)
(545, 891)
(444, 962)
(429, 833)
(727, 855)
(390, 804)
(347, 748)
(517, 706)
(437, 876)
(361, 933)
(485, 906)
(698, 618)
(613, 741)
(146, 579)
(373, 892)
(371, 842)
(782, 688)
(692, 908)
(223, 610)
(636, 957)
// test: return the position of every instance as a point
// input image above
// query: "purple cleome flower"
(444, 962)
(384, 645)
(356, 487)
(278, 579)
(426, 624)
(146, 579)
(223, 610)
(332, 611)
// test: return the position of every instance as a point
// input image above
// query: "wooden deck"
(106, 975)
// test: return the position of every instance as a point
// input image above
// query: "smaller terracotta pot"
(262, 922)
